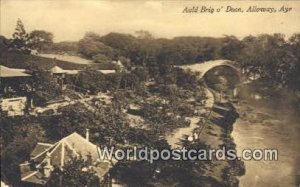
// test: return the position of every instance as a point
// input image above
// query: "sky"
(69, 20)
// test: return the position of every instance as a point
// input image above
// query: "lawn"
(19, 60)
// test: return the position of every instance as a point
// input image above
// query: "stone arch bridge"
(217, 71)
(204, 67)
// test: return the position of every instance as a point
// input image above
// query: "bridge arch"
(235, 69)
(226, 76)
(205, 67)
(217, 72)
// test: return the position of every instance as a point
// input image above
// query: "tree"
(76, 173)
(134, 173)
(40, 39)
(120, 42)
(93, 81)
(101, 58)
(19, 136)
(129, 81)
(4, 42)
(65, 47)
(231, 47)
(20, 38)
(142, 34)
(144, 51)
(293, 79)
(73, 118)
(91, 45)
(46, 88)
(171, 53)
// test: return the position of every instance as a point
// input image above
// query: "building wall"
(14, 106)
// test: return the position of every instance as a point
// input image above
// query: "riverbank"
(217, 134)
(174, 138)
(214, 131)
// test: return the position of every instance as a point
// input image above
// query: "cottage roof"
(107, 71)
(60, 153)
(118, 63)
(12, 72)
(40, 148)
(59, 70)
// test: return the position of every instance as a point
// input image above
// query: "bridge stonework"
(203, 68)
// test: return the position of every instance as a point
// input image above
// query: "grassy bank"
(18, 60)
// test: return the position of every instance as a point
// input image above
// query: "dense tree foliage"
(75, 173)
(40, 40)
(17, 141)
(45, 87)
(20, 39)
(25, 42)
(271, 57)
(120, 42)
(92, 47)
(4, 43)
(93, 81)
(65, 47)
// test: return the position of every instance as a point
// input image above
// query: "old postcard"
(154, 93)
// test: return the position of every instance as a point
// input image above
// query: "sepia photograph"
(150, 93)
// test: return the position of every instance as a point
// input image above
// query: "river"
(269, 124)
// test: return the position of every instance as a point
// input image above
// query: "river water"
(269, 124)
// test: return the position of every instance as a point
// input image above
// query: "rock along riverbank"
(217, 134)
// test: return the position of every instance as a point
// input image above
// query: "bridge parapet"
(204, 67)
(230, 86)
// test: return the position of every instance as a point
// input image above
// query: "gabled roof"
(107, 71)
(40, 148)
(31, 176)
(60, 153)
(59, 70)
(12, 72)
(119, 63)
(71, 145)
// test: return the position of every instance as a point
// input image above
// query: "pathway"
(85, 101)
(175, 138)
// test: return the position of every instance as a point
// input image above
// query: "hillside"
(19, 60)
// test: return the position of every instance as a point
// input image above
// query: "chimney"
(87, 134)
(48, 168)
